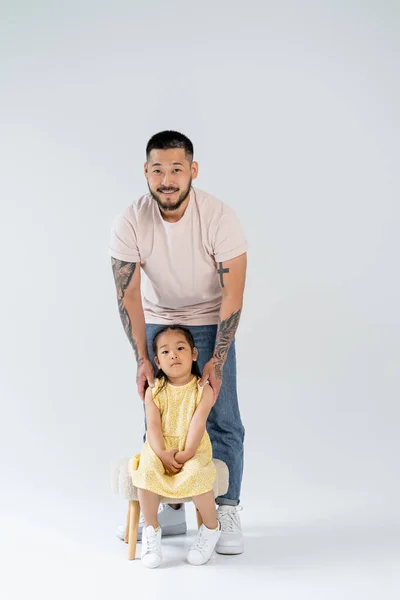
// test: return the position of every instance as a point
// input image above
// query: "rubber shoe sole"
(227, 549)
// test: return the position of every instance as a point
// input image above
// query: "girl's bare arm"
(154, 434)
(153, 419)
(197, 426)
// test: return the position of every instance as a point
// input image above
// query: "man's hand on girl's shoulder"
(144, 377)
(212, 374)
(208, 396)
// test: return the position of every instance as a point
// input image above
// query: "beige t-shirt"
(180, 283)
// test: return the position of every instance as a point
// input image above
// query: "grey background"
(293, 108)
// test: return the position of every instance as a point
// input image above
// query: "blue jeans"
(224, 424)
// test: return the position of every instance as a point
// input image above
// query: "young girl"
(176, 459)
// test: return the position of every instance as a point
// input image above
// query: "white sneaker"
(204, 545)
(172, 522)
(151, 547)
(231, 540)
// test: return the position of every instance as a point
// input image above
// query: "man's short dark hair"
(165, 140)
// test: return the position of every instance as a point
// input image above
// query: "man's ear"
(194, 169)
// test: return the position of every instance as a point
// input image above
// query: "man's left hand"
(212, 373)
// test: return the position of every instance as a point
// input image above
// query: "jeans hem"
(226, 502)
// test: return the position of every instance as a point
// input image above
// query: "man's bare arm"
(127, 283)
(232, 277)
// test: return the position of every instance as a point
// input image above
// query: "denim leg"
(224, 424)
(151, 330)
(150, 333)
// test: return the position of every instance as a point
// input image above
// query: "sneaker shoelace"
(229, 520)
(201, 543)
(151, 543)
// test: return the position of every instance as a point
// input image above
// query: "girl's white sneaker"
(151, 547)
(201, 551)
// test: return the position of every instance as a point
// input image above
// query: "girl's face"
(174, 354)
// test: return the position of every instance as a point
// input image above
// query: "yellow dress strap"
(201, 387)
(135, 462)
(156, 386)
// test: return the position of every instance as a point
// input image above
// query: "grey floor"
(81, 558)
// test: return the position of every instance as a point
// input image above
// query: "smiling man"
(191, 251)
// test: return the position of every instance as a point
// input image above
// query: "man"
(193, 257)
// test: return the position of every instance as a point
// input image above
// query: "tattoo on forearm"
(225, 334)
(123, 273)
(221, 272)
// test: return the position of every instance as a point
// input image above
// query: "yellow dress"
(177, 405)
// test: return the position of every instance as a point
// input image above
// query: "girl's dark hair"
(189, 338)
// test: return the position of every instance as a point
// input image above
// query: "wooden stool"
(121, 484)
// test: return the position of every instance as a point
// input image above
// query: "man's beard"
(170, 207)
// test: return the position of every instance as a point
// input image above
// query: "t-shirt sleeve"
(123, 240)
(229, 239)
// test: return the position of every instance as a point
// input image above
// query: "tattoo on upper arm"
(123, 273)
(221, 272)
(226, 332)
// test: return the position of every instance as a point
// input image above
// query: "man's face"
(169, 176)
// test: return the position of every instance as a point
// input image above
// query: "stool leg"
(199, 519)
(134, 514)
(127, 523)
